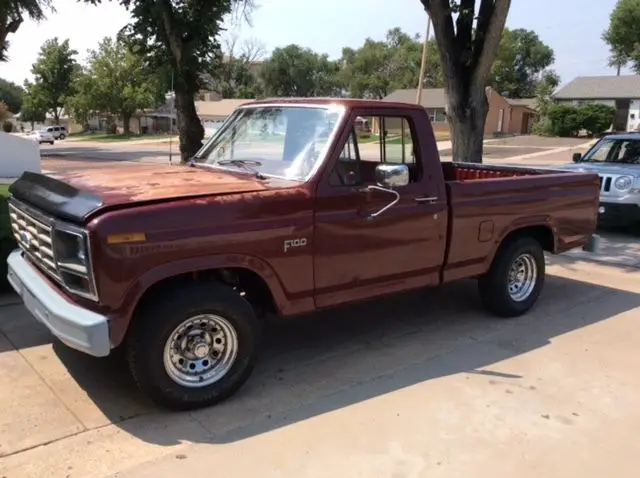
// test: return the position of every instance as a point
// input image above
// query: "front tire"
(514, 282)
(194, 348)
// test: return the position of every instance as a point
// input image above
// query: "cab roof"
(346, 102)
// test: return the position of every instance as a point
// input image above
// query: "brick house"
(505, 116)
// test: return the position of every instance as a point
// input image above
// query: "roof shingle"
(600, 88)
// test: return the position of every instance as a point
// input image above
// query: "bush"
(112, 128)
(7, 241)
(597, 118)
(7, 126)
(543, 127)
(567, 120)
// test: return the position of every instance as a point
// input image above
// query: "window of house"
(358, 159)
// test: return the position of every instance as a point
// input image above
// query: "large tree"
(521, 58)
(378, 68)
(468, 43)
(33, 109)
(623, 34)
(11, 94)
(12, 13)
(297, 71)
(184, 36)
(53, 75)
(117, 81)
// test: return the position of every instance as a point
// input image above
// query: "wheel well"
(542, 234)
(248, 284)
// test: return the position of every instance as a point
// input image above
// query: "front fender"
(144, 282)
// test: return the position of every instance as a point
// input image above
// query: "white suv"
(58, 132)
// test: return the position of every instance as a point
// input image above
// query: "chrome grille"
(34, 236)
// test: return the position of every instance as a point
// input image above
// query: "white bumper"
(77, 327)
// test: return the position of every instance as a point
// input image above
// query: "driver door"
(359, 254)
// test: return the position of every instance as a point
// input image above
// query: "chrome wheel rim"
(200, 351)
(523, 277)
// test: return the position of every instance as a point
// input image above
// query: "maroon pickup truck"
(287, 209)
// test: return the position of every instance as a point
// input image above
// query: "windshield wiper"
(246, 164)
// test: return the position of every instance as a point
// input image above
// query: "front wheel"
(194, 348)
(516, 277)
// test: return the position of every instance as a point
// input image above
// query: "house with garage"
(505, 116)
(621, 92)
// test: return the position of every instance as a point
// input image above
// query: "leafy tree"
(378, 68)
(522, 56)
(11, 95)
(118, 82)
(297, 71)
(83, 103)
(623, 34)
(12, 14)
(53, 73)
(33, 106)
(184, 36)
(468, 45)
(618, 60)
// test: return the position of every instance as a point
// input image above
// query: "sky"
(571, 27)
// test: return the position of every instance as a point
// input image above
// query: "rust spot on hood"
(118, 184)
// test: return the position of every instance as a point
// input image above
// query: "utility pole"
(423, 63)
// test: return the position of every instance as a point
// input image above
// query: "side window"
(391, 141)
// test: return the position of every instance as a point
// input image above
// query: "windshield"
(280, 141)
(620, 151)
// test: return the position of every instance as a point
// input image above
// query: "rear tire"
(514, 282)
(193, 348)
(62, 136)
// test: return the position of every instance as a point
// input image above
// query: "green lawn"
(112, 138)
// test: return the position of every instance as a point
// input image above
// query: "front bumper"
(618, 214)
(75, 326)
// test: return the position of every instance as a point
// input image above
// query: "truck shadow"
(327, 361)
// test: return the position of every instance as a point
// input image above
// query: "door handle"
(423, 199)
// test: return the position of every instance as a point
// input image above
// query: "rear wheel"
(516, 277)
(195, 348)
(62, 136)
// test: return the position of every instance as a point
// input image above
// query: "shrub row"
(567, 120)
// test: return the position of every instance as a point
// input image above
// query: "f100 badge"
(292, 243)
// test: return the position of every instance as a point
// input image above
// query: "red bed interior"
(457, 172)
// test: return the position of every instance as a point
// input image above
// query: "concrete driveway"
(425, 384)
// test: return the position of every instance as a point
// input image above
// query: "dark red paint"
(197, 220)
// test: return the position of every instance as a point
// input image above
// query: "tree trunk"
(126, 120)
(619, 67)
(466, 123)
(190, 130)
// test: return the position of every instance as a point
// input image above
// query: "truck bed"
(486, 202)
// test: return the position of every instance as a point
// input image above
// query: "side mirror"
(577, 157)
(392, 175)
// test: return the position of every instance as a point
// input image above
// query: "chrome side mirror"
(392, 175)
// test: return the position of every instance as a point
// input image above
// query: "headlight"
(623, 183)
(71, 249)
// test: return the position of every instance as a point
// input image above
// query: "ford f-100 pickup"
(287, 209)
